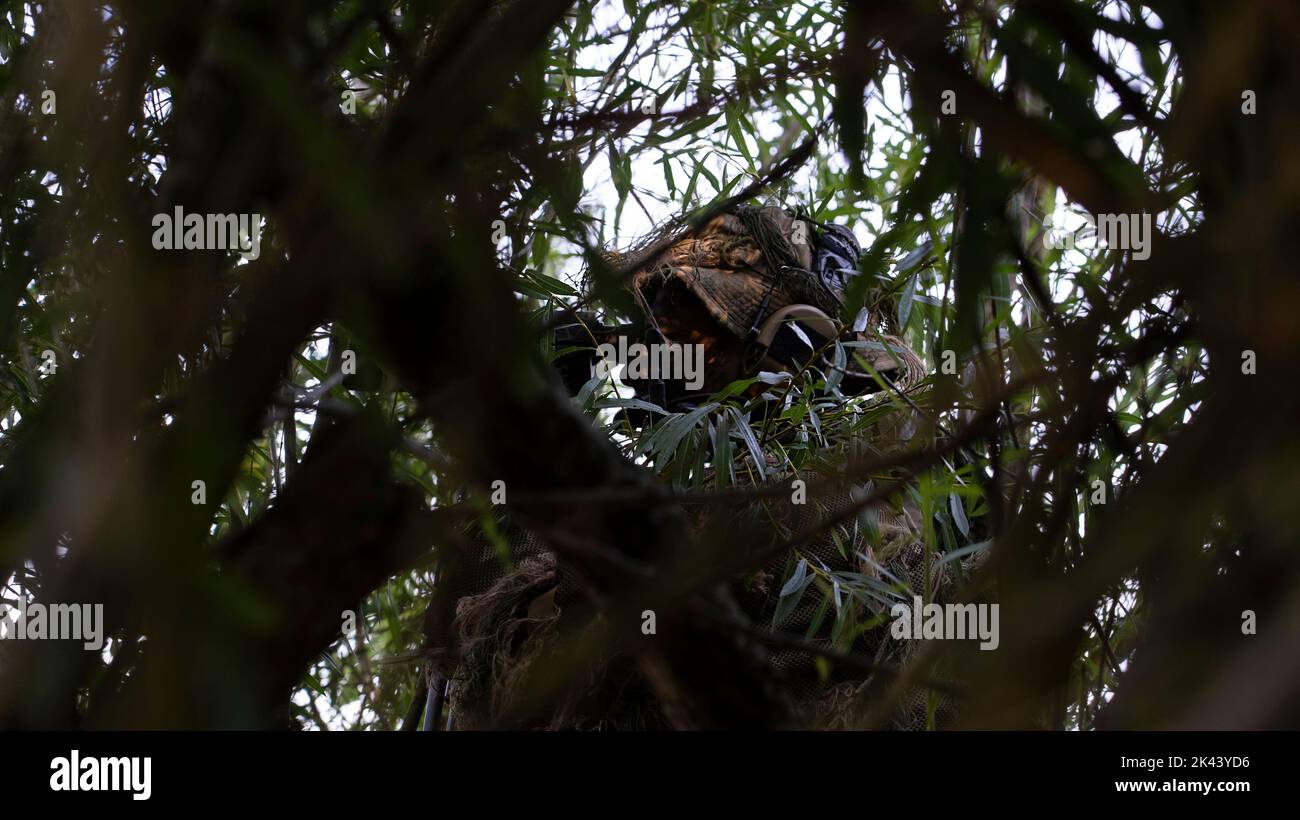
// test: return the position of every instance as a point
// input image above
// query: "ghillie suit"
(737, 287)
(759, 289)
(504, 630)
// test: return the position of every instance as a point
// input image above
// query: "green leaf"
(970, 549)
(905, 303)
(738, 137)
(668, 175)
(551, 285)
(636, 404)
(796, 578)
(791, 594)
(667, 438)
(747, 434)
(958, 514)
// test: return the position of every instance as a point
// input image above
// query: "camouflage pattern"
(725, 267)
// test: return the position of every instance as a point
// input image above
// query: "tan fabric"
(724, 266)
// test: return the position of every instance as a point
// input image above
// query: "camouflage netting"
(743, 266)
(725, 267)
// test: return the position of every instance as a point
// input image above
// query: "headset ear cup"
(790, 337)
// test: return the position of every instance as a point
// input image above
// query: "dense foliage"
(438, 180)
